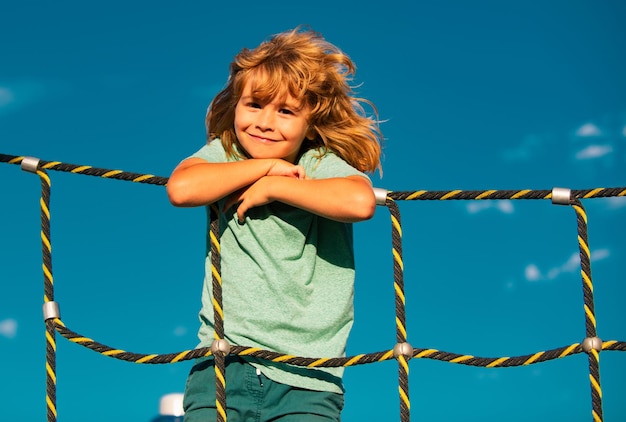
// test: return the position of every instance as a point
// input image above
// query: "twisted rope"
(218, 316)
(48, 297)
(401, 354)
(590, 317)
(422, 195)
(347, 361)
(402, 351)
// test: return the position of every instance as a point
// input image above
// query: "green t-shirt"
(287, 280)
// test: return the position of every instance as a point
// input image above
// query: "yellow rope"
(537, 357)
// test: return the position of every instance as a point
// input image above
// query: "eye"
(253, 104)
(285, 111)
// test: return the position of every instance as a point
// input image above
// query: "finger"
(241, 213)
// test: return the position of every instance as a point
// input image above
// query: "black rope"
(590, 318)
(54, 324)
(398, 278)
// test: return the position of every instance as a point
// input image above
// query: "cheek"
(305, 132)
(238, 122)
(238, 115)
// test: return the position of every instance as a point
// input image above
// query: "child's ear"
(311, 134)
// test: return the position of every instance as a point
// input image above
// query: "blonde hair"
(316, 73)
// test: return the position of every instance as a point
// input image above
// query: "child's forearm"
(347, 199)
(197, 182)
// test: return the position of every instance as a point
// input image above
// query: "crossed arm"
(254, 182)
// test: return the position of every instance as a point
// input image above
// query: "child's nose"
(265, 119)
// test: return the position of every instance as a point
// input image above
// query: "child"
(285, 161)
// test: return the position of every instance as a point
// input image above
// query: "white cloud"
(180, 331)
(532, 272)
(505, 206)
(477, 206)
(593, 151)
(20, 94)
(8, 328)
(571, 265)
(530, 147)
(6, 96)
(490, 374)
(600, 254)
(588, 129)
(615, 202)
(509, 285)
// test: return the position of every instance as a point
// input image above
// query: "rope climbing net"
(402, 351)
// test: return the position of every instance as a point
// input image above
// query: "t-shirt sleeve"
(212, 152)
(328, 166)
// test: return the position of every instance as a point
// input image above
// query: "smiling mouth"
(263, 139)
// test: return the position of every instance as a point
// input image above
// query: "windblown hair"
(315, 73)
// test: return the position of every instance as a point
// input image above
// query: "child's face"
(274, 129)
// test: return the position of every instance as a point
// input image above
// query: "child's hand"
(255, 195)
(285, 168)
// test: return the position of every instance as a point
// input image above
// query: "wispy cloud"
(588, 129)
(488, 375)
(8, 328)
(503, 206)
(533, 273)
(6, 96)
(17, 95)
(591, 140)
(593, 151)
(600, 254)
(615, 202)
(180, 331)
(531, 146)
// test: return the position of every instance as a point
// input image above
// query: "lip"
(262, 139)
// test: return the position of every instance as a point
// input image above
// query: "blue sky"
(475, 95)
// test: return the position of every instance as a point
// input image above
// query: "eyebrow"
(291, 105)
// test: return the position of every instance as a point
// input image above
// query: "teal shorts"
(252, 397)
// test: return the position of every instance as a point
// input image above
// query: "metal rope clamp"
(403, 349)
(592, 343)
(51, 310)
(220, 346)
(561, 196)
(30, 164)
(381, 196)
